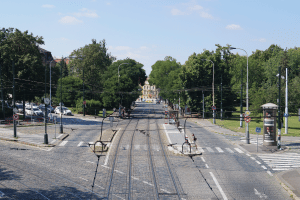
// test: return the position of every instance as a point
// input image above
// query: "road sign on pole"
(213, 107)
(247, 119)
(84, 102)
(16, 116)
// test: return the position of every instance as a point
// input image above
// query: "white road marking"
(119, 172)
(202, 159)
(209, 149)
(263, 167)
(83, 179)
(53, 141)
(99, 186)
(63, 143)
(252, 158)
(248, 154)
(107, 156)
(200, 149)
(137, 146)
(206, 166)
(258, 162)
(229, 150)
(90, 162)
(1, 194)
(270, 173)
(80, 143)
(238, 150)
(219, 149)
(261, 196)
(218, 185)
(59, 136)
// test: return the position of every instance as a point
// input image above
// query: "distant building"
(150, 93)
(46, 57)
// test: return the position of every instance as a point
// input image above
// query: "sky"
(150, 30)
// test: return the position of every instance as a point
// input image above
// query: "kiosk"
(269, 129)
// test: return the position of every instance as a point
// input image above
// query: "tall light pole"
(50, 80)
(247, 98)
(213, 87)
(118, 85)
(286, 101)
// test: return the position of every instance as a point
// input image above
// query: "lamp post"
(118, 85)
(61, 126)
(213, 87)
(286, 102)
(247, 98)
(45, 135)
(50, 80)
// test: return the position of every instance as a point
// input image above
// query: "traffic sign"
(46, 100)
(16, 116)
(258, 130)
(214, 107)
(84, 102)
(247, 119)
(285, 114)
(247, 113)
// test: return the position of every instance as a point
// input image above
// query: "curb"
(291, 193)
(26, 143)
(57, 141)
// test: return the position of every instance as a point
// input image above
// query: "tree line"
(193, 79)
(92, 74)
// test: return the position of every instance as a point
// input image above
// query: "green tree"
(21, 49)
(71, 90)
(126, 88)
(91, 61)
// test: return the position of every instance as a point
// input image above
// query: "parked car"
(20, 108)
(65, 110)
(35, 111)
(29, 105)
(50, 109)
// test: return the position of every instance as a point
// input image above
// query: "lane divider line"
(218, 185)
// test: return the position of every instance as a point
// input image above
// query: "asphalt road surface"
(137, 165)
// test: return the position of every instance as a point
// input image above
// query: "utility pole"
(279, 121)
(241, 105)
(203, 104)
(2, 92)
(83, 93)
(45, 135)
(221, 98)
(286, 101)
(14, 99)
(61, 126)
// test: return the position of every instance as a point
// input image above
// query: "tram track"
(148, 174)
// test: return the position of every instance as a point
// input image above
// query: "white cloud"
(69, 20)
(190, 9)
(108, 4)
(64, 39)
(122, 48)
(48, 6)
(175, 11)
(233, 27)
(86, 13)
(196, 7)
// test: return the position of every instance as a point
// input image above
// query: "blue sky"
(149, 30)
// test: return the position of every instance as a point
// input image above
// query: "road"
(135, 166)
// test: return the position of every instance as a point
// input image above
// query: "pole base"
(45, 138)
(61, 129)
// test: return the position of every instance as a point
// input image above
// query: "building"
(149, 93)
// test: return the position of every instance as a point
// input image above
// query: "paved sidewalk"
(289, 179)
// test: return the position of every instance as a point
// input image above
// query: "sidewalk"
(289, 179)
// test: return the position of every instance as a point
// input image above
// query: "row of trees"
(92, 73)
(193, 79)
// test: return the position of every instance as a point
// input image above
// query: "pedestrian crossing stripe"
(281, 161)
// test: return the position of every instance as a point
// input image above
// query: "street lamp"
(286, 100)
(247, 98)
(213, 86)
(118, 85)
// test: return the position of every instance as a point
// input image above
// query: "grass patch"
(108, 112)
(233, 124)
